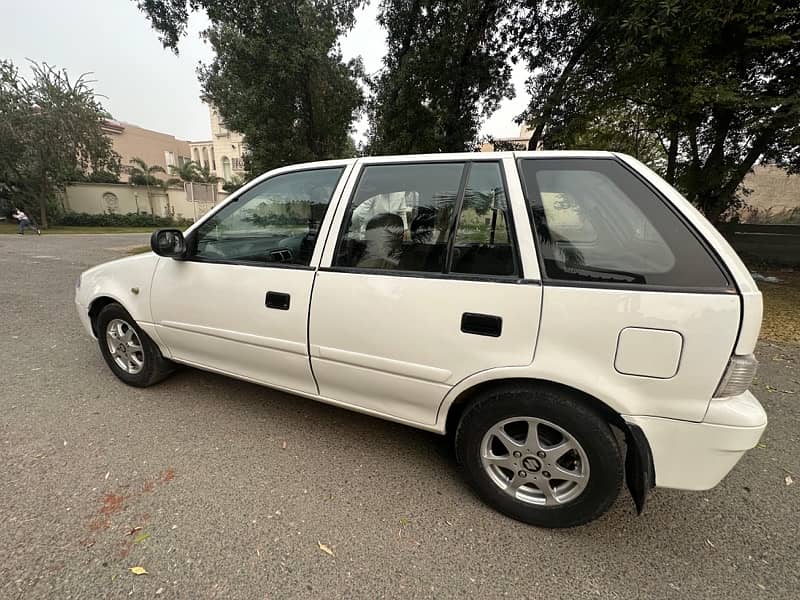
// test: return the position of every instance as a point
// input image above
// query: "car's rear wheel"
(540, 454)
(132, 356)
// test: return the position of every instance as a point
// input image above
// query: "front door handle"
(278, 300)
(479, 324)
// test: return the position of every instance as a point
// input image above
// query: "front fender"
(126, 281)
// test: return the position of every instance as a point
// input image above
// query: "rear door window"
(446, 218)
(596, 222)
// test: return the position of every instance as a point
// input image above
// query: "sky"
(144, 84)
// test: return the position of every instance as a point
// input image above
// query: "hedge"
(116, 220)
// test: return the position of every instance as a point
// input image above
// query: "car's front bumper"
(697, 456)
(83, 313)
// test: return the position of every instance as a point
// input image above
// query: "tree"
(278, 76)
(187, 171)
(140, 173)
(446, 69)
(204, 175)
(234, 184)
(192, 172)
(51, 132)
(716, 84)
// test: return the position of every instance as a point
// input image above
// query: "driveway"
(223, 489)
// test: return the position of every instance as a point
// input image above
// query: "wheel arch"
(98, 304)
(640, 474)
(456, 408)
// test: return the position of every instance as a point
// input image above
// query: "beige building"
(772, 189)
(519, 143)
(153, 147)
(223, 153)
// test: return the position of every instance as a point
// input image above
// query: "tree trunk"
(672, 153)
(556, 94)
(454, 133)
(42, 212)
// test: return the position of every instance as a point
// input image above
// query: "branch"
(554, 98)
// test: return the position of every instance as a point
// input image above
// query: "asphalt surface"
(234, 486)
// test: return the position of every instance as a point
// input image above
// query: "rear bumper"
(697, 456)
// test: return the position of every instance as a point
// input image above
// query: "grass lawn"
(138, 249)
(11, 228)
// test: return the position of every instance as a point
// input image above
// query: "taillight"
(738, 376)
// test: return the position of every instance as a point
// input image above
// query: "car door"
(637, 308)
(422, 283)
(239, 303)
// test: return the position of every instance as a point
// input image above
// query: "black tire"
(155, 367)
(569, 412)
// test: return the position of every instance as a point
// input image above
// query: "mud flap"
(640, 474)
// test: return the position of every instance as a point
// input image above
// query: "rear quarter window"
(597, 222)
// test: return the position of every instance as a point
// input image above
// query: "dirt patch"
(781, 307)
(112, 503)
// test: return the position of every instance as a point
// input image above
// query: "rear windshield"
(597, 222)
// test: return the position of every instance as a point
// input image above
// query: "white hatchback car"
(568, 316)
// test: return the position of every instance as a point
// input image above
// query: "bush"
(779, 215)
(116, 220)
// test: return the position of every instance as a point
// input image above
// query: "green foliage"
(445, 70)
(716, 85)
(191, 172)
(188, 171)
(234, 183)
(117, 220)
(204, 175)
(278, 75)
(50, 133)
(95, 177)
(140, 173)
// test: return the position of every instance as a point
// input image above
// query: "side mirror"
(169, 243)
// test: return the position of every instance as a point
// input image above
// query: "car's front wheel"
(128, 351)
(540, 454)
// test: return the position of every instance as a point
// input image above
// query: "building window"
(169, 158)
(237, 164)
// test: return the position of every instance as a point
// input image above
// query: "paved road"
(236, 485)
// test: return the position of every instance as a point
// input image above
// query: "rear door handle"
(479, 324)
(278, 300)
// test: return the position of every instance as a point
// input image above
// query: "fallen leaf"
(138, 570)
(326, 549)
(141, 537)
(134, 530)
(788, 479)
(159, 591)
(710, 543)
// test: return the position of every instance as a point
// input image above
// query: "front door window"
(275, 223)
